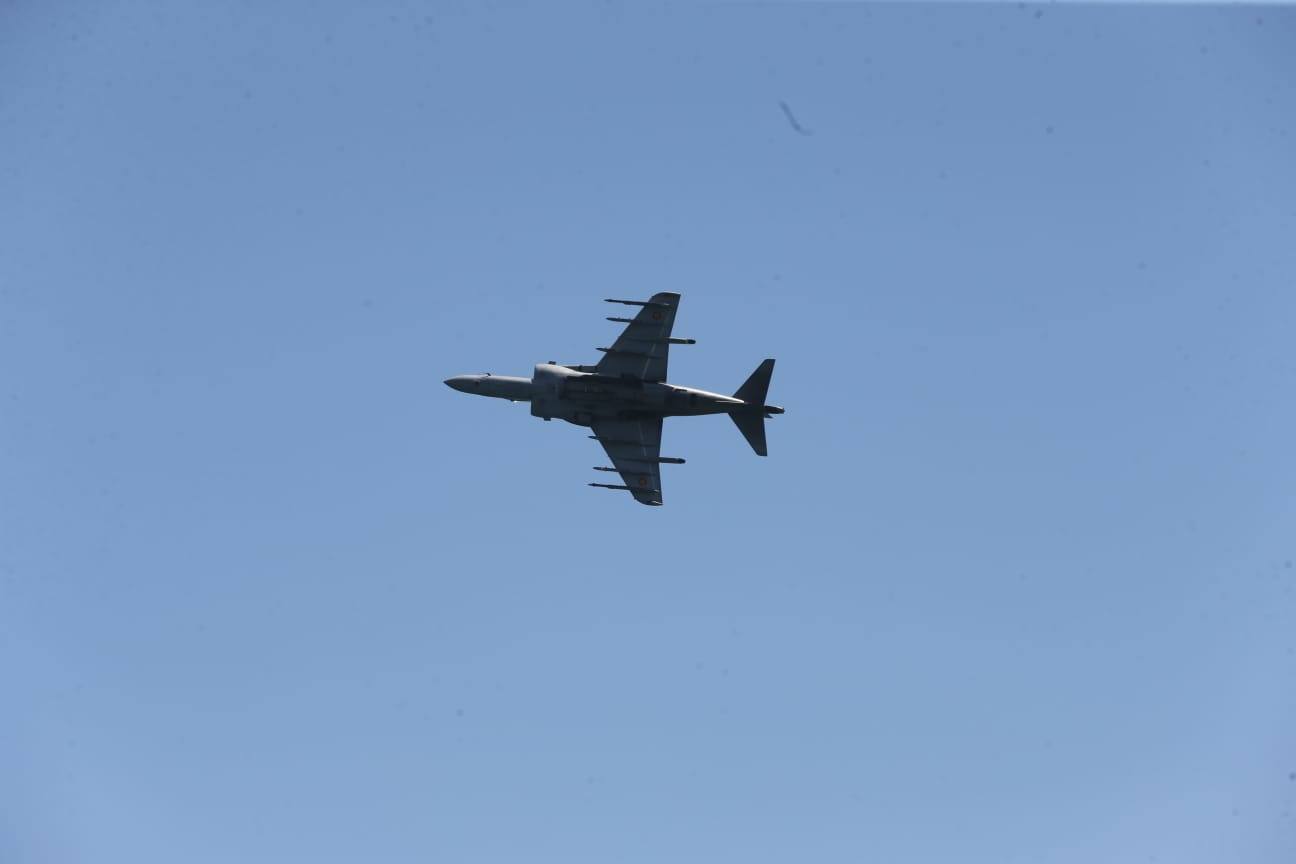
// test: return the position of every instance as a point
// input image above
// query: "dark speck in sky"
(791, 118)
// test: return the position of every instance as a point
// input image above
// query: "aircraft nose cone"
(465, 383)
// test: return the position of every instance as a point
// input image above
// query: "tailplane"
(750, 419)
(756, 386)
(752, 425)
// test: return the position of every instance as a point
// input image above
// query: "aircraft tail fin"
(750, 419)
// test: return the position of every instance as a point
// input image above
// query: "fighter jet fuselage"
(563, 393)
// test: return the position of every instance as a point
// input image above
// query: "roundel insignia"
(656, 316)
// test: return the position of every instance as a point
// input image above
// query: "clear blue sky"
(1015, 585)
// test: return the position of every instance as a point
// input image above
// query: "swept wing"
(642, 349)
(634, 446)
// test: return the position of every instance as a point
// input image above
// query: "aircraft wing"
(641, 349)
(634, 446)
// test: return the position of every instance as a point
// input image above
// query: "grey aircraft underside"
(624, 398)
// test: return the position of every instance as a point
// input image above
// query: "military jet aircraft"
(624, 397)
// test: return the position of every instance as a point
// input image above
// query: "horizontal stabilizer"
(750, 420)
(757, 384)
(752, 425)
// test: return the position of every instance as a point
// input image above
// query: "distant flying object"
(792, 121)
(624, 397)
